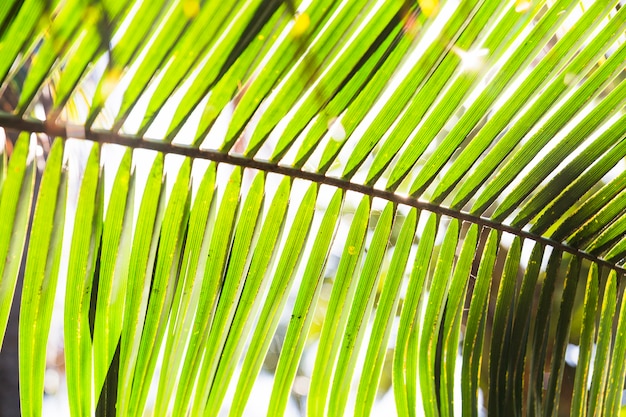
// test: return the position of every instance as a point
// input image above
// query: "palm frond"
(363, 199)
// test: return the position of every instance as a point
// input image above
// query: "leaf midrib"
(9, 121)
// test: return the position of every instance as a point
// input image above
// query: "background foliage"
(337, 202)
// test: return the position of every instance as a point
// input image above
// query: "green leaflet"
(433, 316)
(556, 88)
(175, 22)
(576, 183)
(197, 240)
(7, 10)
(161, 287)
(360, 310)
(540, 332)
(516, 63)
(453, 318)
(579, 397)
(227, 86)
(614, 232)
(139, 271)
(617, 253)
(3, 165)
(16, 36)
(188, 51)
(388, 304)
(122, 53)
(611, 104)
(210, 285)
(404, 368)
(201, 36)
(15, 202)
(475, 326)
(594, 228)
(285, 57)
(116, 235)
(551, 403)
(353, 51)
(447, 64)
(40, 280)
(504, 115)
(452, 98)
(100, 22)
(388, 47)
(500, 344)
(617, 371)
(61, 33)
(351, 100)
(249, 301)
(363, 102)
(601, 363)
(344, 287)
(577, 225)
(247, 223)
(417, 75)
(411, 369)
(276, 298)
(520, 330)
(244, 26)
(304, 308)
(80, 277)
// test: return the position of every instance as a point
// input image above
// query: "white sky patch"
(336, 129)
(135, 117)
(522, 6)
(189, 129)
(472, 60)
(216, 135)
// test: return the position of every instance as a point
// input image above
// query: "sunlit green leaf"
(475, 327)
(344, 287)
(520, 331)
(304, 308)
(404, 386)
(618, 366)
(15, 202)
(193, 262)
(500, 345)
(113, 266)
(601, 363)
(40, 280)
(249, 302)
(162, 286)
(389, 299)
(433, 316)
(540, 331)
(579, 397)
(276, 298)
(453, 318)
(210, 285)
(553, 393)
(268, 227)
(139, 272)
(84, 251)
(233, 284)
(359, 313)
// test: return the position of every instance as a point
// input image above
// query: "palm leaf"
(356, 200)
